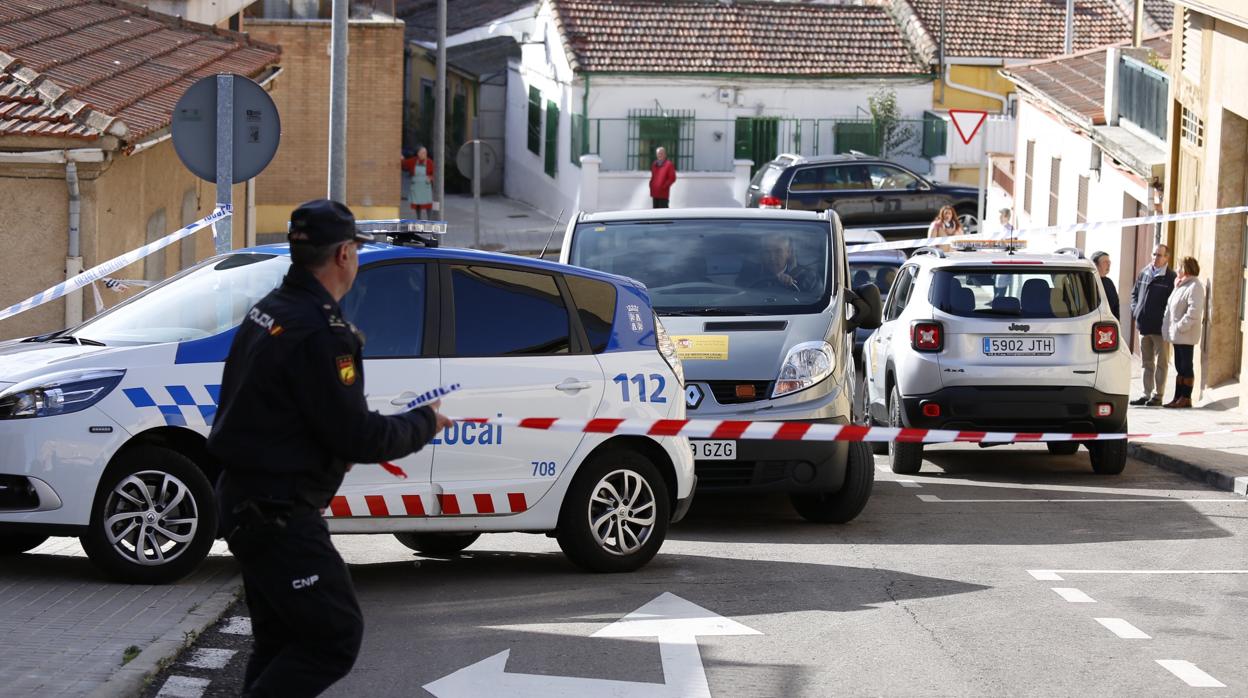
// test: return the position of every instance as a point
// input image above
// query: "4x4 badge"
(1020, 328)
(693, 396)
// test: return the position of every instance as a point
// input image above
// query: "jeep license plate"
(714, 450)
(1018, 346)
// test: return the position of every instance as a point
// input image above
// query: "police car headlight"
(61, 393)
(668, 349)
(807, 364)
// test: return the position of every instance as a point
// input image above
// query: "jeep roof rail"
(1075, 251)
(934, 251)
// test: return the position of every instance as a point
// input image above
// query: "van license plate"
(1018, 346)
(714, 450)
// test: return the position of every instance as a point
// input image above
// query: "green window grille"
(857, 135)
(935, 135)
(552, 138)
(459, 119)
(577, 142)
(649, 129)
(535, 121)
(756, 139)
(425, 136)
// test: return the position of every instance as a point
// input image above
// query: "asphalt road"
(1001, 571)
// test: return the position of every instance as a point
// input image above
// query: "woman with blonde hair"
(1181, 325)
(946, 224)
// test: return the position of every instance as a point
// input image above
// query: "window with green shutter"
(552, 138)
(535, 121)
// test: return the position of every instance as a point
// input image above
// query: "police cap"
(323, 222)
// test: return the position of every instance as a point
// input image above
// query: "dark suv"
(865, 191)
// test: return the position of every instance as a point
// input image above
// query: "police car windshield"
(200, 302)
(715, 266)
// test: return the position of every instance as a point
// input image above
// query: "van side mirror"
(867, 305)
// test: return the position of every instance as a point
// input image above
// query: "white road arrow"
(677, 624)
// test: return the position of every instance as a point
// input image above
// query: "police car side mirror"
(868, 308)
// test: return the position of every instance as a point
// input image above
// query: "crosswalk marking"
(1123, 629)
(183, 687)
(237, 625)
(210, 658)
(1190, 673)
(1073, 595)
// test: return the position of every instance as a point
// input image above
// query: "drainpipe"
(73, 261)
(973, 90)
(584, 119)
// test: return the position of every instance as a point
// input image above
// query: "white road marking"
(237, 625)
(908, 483)
(210, 658)
(1073, 595)
(1190, 673)
(1020, 500)
(1123, 629)
(183, 687)
(1056, 575)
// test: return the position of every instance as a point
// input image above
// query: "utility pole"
(338, 103)
(1137, 27)
(1070, 27)
(439, 118)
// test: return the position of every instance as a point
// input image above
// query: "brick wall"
(374, 118)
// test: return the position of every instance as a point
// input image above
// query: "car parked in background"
(864, 191)
(1004, 342)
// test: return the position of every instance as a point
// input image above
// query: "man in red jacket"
(662, 176)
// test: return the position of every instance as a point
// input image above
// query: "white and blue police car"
(102, 426)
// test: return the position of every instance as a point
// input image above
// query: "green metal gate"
(651, 128)
(756, 139)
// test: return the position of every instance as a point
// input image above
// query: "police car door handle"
(571, 385)
(404, 398)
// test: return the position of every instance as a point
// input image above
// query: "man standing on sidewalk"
(662, 176)
(1148, 305)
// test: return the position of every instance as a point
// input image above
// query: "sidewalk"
(506, 225)
(1219, 460)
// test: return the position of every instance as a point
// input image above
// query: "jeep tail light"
(1105, 336)
(927, 335)
(1104, 409)
(770, 202)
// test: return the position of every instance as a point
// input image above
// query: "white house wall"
(1053, 138)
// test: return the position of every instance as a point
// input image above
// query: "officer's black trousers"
(304, 616)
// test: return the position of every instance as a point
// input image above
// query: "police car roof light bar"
(402, 231)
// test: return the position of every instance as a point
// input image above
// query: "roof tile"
(1021, 28)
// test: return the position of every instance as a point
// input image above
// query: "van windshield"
(1014, 292)
(716, 266)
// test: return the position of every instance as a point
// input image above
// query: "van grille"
(725, 392)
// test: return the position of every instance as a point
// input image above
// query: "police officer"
(292, 419)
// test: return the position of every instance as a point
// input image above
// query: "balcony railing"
(1142, 95)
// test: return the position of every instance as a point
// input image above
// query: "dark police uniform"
(292, 417)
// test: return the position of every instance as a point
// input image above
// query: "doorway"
(1139, 241)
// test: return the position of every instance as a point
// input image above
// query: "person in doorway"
(1149, 296)
(420, 187)
(946, 224)
(1101, 260)
(662, 177)
(1181, 325)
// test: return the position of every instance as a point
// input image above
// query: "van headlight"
(807, 364)
(61, 393)
(667, 348)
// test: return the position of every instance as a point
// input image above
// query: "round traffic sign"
(257, 129)
(463, 159)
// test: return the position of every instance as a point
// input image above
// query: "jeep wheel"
(437, 544)
(1108, 457)
(903, 458)
(970, 223)
(18, 543)
(154, 517)
(615, 514)
(1063, 448)
(846, 503)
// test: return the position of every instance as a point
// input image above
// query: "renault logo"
(693, 396)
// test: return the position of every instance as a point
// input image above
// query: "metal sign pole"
(223, 230)
(476, 193)
(983, 192)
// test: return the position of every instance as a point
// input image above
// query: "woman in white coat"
(1181, 326)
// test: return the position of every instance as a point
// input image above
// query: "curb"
(131, 678)
(1213, 477)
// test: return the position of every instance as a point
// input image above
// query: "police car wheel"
(843, 505)
(903, 458)
(615, 514)
(18, 543)
(437, 544)
(1063, 448)
(154, 517)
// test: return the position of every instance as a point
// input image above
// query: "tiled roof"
(1161, 12)
(1076, 83)
(1020, 28)
(742, 37)
(83, 68)
(421, 16)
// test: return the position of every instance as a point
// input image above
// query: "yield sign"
(673, 621)
(967, 122)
